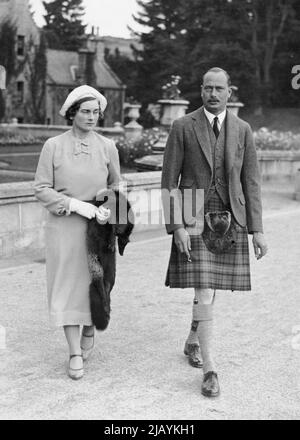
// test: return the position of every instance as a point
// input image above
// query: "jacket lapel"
(201, 130)
(232, 140)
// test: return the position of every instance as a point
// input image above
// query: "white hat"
(83, 92)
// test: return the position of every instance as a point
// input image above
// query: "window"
(20, 91)
(21, 45)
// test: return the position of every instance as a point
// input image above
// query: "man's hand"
(259, 245)
(183, 241)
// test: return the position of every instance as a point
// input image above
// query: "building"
(16, 95)
(65, 71)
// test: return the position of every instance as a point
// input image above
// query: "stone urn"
(172, 109)
(234, 103)
(133, 129)
(133, 113)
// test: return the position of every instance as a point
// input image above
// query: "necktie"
(215, 127)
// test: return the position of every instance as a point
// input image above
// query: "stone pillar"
(234, 107)
(133, 129)
(2, 78)
(297, 185)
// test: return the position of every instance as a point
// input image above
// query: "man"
(212, 150)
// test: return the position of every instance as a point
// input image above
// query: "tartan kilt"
(227, 271)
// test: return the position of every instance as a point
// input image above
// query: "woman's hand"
(102, 215)
(83, 208)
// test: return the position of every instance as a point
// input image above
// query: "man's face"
(215, 92)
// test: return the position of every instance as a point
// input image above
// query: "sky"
(111, 16)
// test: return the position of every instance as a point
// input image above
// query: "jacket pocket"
(186, 183)
(242, 199)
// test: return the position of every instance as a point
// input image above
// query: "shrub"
(129, 150)
(276, 140)
(9, 138)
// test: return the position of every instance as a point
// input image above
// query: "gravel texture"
(138, 369)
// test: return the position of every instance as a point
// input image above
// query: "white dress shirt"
(211, 117)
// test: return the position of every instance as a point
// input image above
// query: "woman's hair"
(71, 112)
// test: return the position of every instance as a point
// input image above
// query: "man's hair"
(218, 70)
(71, 112)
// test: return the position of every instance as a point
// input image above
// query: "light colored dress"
(70, 167)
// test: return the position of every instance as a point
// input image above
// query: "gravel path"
(138, 370)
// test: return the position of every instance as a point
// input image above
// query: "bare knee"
(204, 296)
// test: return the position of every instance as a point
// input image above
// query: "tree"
(36, 78)
(64, 28)
(266, 24)
(163, 47)
(246, 37)
(8, 59)
(125, 68)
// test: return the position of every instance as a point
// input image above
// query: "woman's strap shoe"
(86, 351)
(75, 373)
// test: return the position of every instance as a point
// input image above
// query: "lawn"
(26, 162)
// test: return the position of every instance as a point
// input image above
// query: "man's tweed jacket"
(188, 157)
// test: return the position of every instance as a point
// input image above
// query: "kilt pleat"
(227, 271)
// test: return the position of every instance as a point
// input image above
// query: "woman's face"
(86, 116)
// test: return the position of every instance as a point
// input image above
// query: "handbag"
(219, 234)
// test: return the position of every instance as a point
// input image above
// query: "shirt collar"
(211, 116)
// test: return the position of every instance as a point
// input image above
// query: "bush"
(129, 150)
(276, 140)
(9, 138)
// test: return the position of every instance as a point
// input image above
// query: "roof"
(122, 44)
(59, 64)
(59, 70)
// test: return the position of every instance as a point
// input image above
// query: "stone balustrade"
(22, 218)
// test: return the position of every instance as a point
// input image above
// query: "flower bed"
(276, 140)
(131, 150)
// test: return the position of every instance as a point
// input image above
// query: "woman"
(72, 168)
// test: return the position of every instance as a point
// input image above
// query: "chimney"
(100, 47)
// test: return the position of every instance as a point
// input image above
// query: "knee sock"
(204, 332)
(193, 336)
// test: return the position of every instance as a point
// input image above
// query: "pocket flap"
(187, 182)
(242, 199)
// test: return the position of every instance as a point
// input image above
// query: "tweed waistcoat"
(217, 146)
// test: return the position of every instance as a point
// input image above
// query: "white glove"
(83, 208)
(102, 215)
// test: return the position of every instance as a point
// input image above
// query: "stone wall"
(22, 218)
(46, 131)
(278, 164)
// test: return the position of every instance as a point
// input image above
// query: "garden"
(19, 154)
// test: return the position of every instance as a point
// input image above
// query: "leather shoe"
(193, 353)
(75, 373)
(210, 385)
